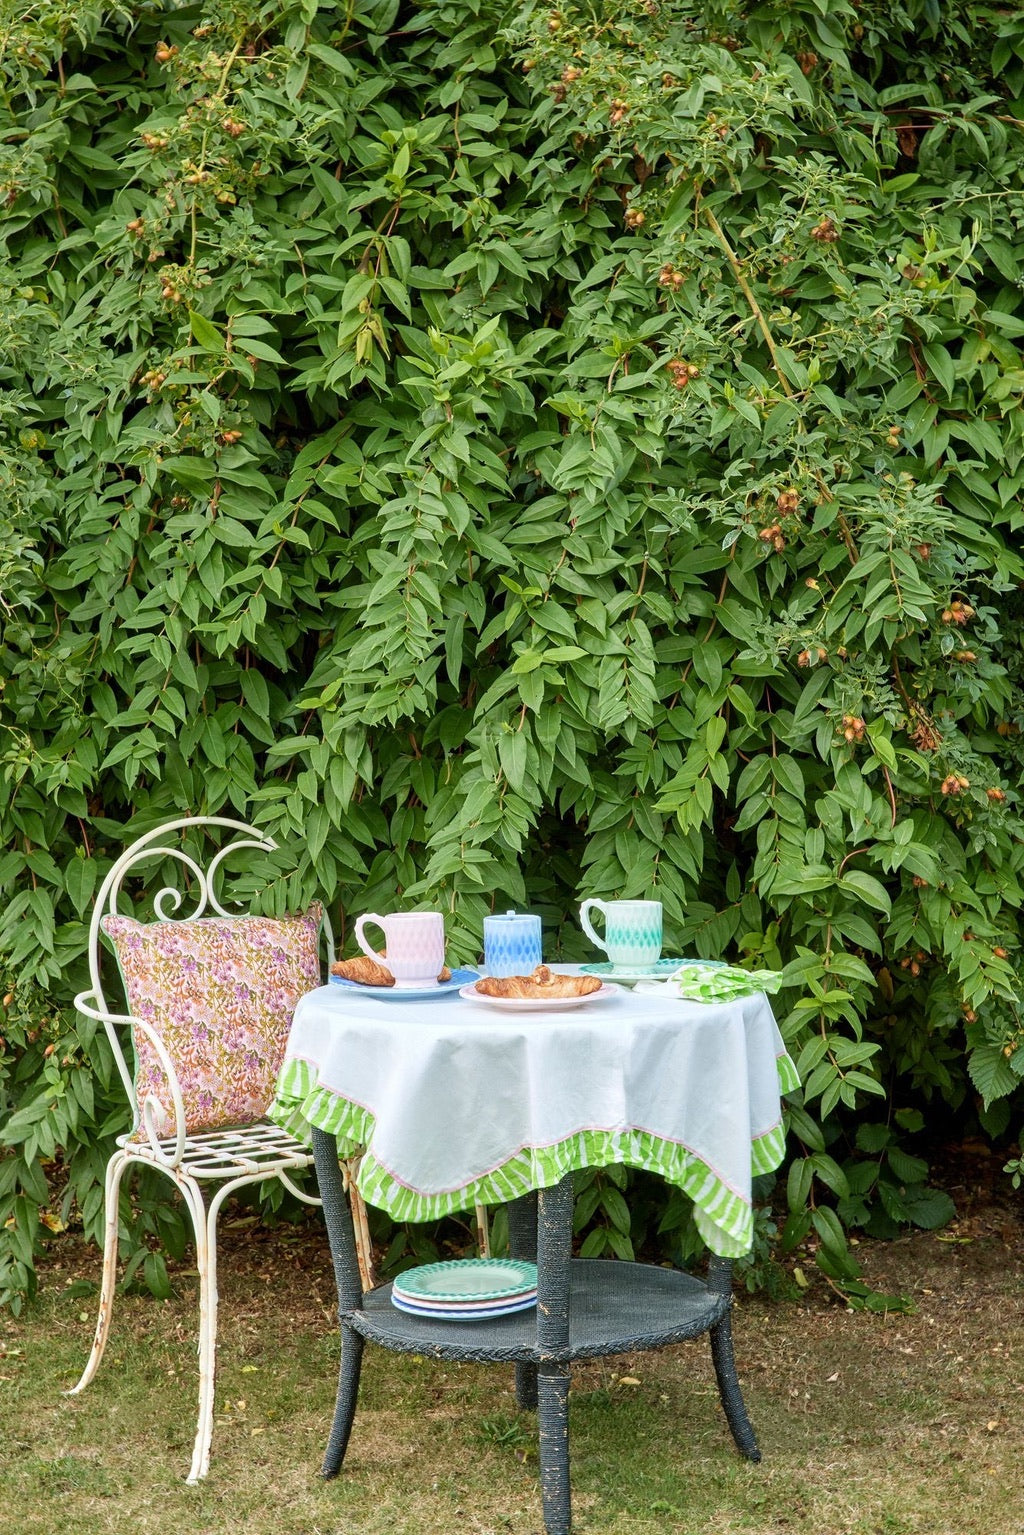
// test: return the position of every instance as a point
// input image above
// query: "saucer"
(459, 978)
(660, 971)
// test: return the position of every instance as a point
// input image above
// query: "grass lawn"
(869, 1425)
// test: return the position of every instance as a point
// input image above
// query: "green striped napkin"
(712, 983)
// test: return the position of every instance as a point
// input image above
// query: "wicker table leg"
(522, 1235)
(553, 1447)
(554, 1251)
(344, 1403)
(720, 1280)
(526, 1387)
(340, 1233)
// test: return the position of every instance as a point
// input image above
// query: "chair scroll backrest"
(202, 899)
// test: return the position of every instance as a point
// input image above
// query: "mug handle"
(370, 916)
(585, 922)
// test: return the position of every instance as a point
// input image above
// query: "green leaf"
(906, 1168)
(617, 1210)
(873, 1138)
(991, 1073)
(941, 366)
(157, 1281)
(206, 333)
(513, 753)
(861, 1297)
(831, 1174)
(261, 350)
(798, 1186)
(868, 889)
(929, 1208)
(80, 879)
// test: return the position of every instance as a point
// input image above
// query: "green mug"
(632, 930)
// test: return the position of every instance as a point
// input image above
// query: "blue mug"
(512, 944)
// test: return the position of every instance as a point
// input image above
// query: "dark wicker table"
(585, 1308)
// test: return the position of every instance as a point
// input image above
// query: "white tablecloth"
(455, 1103)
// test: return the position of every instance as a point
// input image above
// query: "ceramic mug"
(512, 944)
(413, 943)
(632, 930)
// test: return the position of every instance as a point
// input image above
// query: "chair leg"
(205, 1227)
(729, 1389)
(345, 1404)
(115, 1171)
(360, 1223)
(553, 1426)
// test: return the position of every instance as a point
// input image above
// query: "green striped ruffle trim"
(789, 1079)
(723, 1218)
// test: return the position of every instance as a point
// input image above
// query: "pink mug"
(413, 942)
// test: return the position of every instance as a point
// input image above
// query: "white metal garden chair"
(221, 1160)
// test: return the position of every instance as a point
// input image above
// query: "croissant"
(368, 973)
(364, 970)
(541, 984)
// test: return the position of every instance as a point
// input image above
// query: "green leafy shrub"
(519, 456)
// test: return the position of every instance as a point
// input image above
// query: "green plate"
(468, 1279)
(658, 972)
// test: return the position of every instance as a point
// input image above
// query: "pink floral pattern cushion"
(220, 993)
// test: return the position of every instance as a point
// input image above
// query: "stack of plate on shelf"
(469, 1290)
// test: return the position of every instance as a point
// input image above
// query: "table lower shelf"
(614, 1308)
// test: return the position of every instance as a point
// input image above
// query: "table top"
(455, 1103)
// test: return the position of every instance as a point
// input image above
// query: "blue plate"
(408, 993)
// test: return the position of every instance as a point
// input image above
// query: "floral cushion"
(220, 993)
